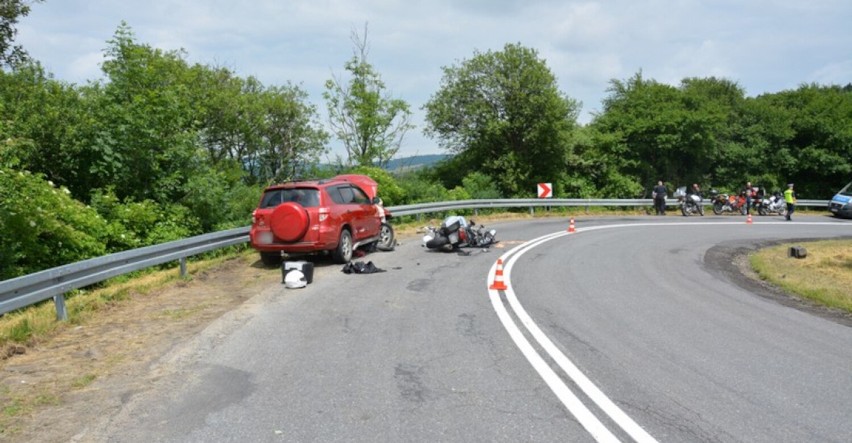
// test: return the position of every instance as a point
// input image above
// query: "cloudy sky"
(765, 46)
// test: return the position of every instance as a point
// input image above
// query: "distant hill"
(414, 162)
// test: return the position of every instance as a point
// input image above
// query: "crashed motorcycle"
(690, 204)
(773, 204)
(455, 232)
(727, 203)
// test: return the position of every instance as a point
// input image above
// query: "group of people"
(750, 192)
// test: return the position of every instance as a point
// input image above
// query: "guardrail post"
(61, 312)
(183, 266)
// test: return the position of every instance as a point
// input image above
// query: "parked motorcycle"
(728, 203)
(772, 204)
(455, 232)
(689, 204)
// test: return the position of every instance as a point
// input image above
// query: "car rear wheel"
(270, 258)
(343, 252)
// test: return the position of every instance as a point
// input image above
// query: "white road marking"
(586, 418)
(575, 406)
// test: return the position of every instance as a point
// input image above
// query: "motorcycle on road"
(728, 203)
(772, 204)
(455, 232)
(690, 204)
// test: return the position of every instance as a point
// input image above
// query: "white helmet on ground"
(295, 279)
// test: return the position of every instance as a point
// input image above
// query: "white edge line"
(574, 405)
(568, 398)
(574, 373)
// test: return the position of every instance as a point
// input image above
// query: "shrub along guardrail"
(53, 283)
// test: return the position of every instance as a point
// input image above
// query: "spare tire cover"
(289, 221)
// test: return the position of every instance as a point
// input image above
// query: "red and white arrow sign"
(545, 190)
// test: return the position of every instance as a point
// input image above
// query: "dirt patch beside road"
(52, 391)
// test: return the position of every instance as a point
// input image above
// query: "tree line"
(161, 149)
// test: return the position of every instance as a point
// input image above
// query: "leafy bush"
(42, 226)
(480, 186)
(240, 201)
(133, 224)
(219, 199)
(420, 188)
(392, 194)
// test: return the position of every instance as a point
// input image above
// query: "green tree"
(145, 125)
(41, 122)
(370, 123)
(389, 190)
(290, 138)
(652, 131)
(712, 132)
(819, 154)
(501, 113)
(10, 12)
(273, 132)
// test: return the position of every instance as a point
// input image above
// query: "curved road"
(610, 333)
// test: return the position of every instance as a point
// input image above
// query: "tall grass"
(824, 276)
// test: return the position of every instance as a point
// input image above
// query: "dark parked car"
(336, 216)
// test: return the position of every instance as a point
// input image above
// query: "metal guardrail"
(53, 283)
(33, 288)
(422, 208)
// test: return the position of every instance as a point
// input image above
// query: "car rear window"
(307, 197)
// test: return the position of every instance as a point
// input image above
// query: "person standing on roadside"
(659, 195)
(749, 195)
(695, 190)
(790, 198)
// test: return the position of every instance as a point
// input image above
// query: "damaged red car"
(328, 216)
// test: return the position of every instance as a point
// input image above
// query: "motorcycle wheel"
(717, 208)
(701, 210)
(782, 211)
(684, 211)
(438, 242)
(761, 210)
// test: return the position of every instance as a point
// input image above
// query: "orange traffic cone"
(571, 226)
(498, 277)
(748, 220)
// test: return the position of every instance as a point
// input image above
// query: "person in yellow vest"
(790, 198)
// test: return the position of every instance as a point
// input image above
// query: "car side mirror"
(376, 200)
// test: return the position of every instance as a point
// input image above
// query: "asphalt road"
(610, 333)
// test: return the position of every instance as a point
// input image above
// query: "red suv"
(336, 215)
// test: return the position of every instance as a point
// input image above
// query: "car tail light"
(258, 219)
(323, 214)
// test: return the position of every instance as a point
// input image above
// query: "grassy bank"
(824, 276)
(29, 326)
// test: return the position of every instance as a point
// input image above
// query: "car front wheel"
(343, 253)
(386, 241)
